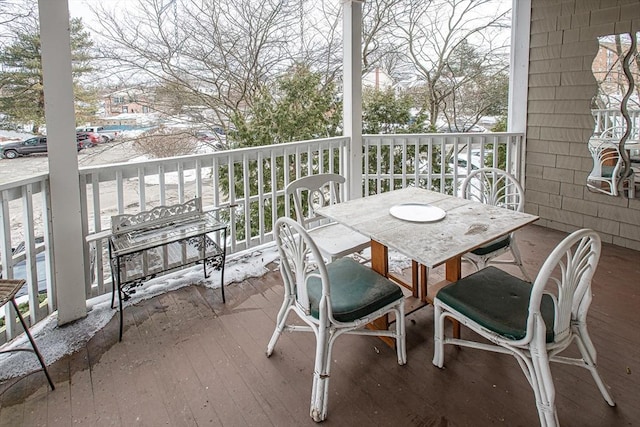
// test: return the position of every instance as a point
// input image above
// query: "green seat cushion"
(356, 290)
(493, 246)
(607, 171)
(498, 301)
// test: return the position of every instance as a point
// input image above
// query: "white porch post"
(519, 75)
(63, 160)
(352, 90)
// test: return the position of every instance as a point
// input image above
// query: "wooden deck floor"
(188, 360)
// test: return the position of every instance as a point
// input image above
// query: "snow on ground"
(12, 136)
(56, 341)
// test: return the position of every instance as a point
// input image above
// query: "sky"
(82, 9)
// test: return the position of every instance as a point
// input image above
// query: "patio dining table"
(429, 241)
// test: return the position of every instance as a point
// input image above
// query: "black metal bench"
(160, 240)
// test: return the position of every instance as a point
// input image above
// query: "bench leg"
(224, 261)
(120, 308)
(203, 255)
(113, 278)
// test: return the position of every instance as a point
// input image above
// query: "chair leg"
(33, 344)
(542, 380)
(401, 342)
(280, 324)
(515, 252)
(588, 352)
(320, 387)
(438, 336)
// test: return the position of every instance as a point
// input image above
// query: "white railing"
(251, 181)
(612, 118)
(391, 162)
(25, 248)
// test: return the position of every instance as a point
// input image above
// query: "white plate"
(417, 212)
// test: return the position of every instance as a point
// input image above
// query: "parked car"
(88, 139)
(35, 145)
(105, 135)
(462, 162)
(215, 138)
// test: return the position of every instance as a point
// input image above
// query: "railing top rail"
(236, 152)
(442, 135)
(24, 181)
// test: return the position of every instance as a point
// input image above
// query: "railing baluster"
(30, 253)
(261, 220)
(198, 172)
(246, 178)
(274, 191)
(142, 196)
(47, 232)
(161, 185)
(232, 201)
(181, 183)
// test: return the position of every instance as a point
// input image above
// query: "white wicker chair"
(533, 322)
(608, 166)
(333, 299)
(334, 240)
(498, 188)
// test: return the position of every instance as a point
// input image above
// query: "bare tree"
(379, 44)
(13, 13)
(321, 39)
(15, 10)
(437, 38)
(218, 56)
(608, 71)
(209, 54)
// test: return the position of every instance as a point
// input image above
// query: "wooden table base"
(419, 284)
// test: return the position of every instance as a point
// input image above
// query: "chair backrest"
(608, 166)
(607, 161)
(300, 259)
(566, 275)
(312, 192)
(495, 187)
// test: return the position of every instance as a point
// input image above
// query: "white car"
(107, 136)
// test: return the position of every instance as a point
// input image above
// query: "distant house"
(377, 79)
(608, 72)
(125, 102)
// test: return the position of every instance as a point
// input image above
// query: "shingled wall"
(563, 45)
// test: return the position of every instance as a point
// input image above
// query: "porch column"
(519, 75)
(352, 91)
(63, 160)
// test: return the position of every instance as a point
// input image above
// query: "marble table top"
(466, 226)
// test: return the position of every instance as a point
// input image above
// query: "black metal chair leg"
(121, 311)
(33, 344)
(222, 284)
(224, 261)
